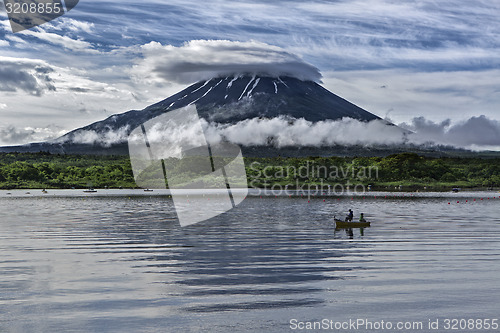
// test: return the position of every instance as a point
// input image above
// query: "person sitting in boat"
(350, 216)
(362, 217)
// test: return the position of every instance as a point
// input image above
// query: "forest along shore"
(407, 171)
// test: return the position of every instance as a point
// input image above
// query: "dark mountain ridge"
(233, 99)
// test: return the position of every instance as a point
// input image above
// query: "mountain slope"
(232, 99)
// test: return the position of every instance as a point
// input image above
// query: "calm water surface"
(72, 263)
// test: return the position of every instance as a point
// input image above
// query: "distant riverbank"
(399, 172)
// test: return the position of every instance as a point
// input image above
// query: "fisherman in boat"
(349, 216)
(362, 217)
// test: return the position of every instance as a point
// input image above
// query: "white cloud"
(204, 59)
(66, 42)
(476, 133)
(16, 40)
(283, 132)
(104, 138)
(71, 25)
(424, 34)
(63, 26)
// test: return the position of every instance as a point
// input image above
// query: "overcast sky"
(435, 60)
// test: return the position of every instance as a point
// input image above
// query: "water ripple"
(124, 264)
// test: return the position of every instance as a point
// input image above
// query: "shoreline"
(251, 192)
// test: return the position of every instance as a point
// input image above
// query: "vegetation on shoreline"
(44, 170)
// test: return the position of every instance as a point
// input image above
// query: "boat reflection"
(350, 232)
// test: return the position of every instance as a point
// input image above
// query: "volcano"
(233, 99)
(223, 100)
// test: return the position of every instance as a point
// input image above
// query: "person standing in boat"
(350, 216)
(362, 217)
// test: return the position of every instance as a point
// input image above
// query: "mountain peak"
(239, 97)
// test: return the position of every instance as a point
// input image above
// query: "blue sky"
(401, 59)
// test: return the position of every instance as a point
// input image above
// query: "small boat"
(339, 224)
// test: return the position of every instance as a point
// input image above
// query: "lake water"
(120, 262)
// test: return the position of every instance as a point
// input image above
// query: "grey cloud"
(44, 70)
(204, 59)
(480, 131)
(11, 79)
(28, 76)
(475, 133)
(80, 90)
(11, 135)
